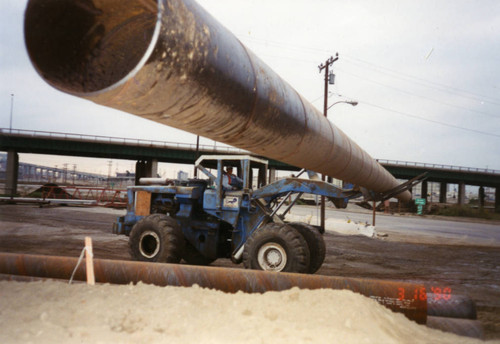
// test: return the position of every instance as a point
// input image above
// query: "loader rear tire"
(157, 238)
(276, 247)
(193, 257)
(315, 242)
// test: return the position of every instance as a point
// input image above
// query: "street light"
(11, 109)
(350, 102)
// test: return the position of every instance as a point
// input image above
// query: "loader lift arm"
(285, 186)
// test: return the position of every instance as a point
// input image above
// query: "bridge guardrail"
(437, 166)
(120, 140)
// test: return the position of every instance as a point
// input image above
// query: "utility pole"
(326, 67)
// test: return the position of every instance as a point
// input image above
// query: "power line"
(396, 74)
(415, 116)
(427, 83)
(429, 120)
(385, 85)
(404, 77)
(416, 95)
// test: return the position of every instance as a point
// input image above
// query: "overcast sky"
(425, 73)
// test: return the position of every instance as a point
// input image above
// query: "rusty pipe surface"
(224, 279)
(451, 306)
(462, 327)
(171, 62)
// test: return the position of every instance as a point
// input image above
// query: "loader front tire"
(315, 242)
(157, 238)
(276, 247)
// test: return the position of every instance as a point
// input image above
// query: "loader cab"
(223, 203)
(251, 170)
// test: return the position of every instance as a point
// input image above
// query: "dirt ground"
(469, 270)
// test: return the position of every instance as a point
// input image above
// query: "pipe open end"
(86, 46)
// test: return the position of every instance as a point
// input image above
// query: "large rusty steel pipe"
(228, 280)
(462, 327)
(170, 61)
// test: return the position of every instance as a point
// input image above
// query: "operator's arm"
(225, 183)
(236, 182)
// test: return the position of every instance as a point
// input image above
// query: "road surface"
(421, 229)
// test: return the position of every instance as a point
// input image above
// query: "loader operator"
(231, 181)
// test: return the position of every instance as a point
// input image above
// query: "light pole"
(352, 103)
(11, 111)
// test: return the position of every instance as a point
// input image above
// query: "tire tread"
(295, 245)
(171, 238)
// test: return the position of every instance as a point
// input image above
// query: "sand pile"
(54, 312)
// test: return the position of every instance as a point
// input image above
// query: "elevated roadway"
(42, 142)
(443, 173)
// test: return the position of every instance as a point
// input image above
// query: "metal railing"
(120, 140)
(437, 166)
(102, 196)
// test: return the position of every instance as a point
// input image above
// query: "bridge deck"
(43, 142)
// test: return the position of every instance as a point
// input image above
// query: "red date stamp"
(438, 293)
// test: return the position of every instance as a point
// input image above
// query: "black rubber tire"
(193, 257)
(294, 248)
(157, 238)
(315, 242)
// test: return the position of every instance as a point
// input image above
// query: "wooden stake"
(88, 258)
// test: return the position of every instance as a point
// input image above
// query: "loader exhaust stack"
(171, 62)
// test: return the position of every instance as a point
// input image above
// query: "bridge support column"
(461, 193)
(11, 173)
(261, 177)
(443, 190)
(497, 199)
(272, 175)
(424, 191)
(145, 169)
(481, 196)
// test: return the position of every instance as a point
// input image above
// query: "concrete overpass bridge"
(446, 175)
(148, 153)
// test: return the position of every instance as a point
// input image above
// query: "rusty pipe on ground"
(451, 306)
(462, 327)
(224, 279)
(171, 62)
